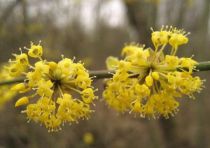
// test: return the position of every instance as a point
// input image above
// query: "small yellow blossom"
(155, 75)
(172, 61)
(169, 35)
(88, 95)
(44, 88)
(22, 59)
(15, 69)
(22, 101)
(137, 107)
(35, 51)
(160, 38)
(177, 39)
(112, 63)
(148, 82)
(18, 87)
(88, 138)
(19, 65)
(6, 94)
(63, 89)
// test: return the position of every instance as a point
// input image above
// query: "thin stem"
(102, 74)
(12, 81)
(203, 66)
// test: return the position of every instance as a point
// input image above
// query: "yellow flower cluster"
(63, 89)
(148, 82)
(5, 97)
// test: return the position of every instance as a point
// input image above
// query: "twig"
(102, 74)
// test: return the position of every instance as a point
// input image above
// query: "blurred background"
(91, 30)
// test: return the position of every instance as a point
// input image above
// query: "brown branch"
(102, 74)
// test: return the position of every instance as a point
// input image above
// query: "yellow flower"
(88, 138)
(18, 87)
(42, 67)
(155, 75)
(22, 101)
(112, 63)
(137, 107)
(160, 38)
(88, 95)
(44, 88)
(172, 61)
(63, 89)
(22, 59)
(19, 65)
(169, 35)
(148, 82)
(6, 94)
(35, 51)
(15, 69)
(177, 39)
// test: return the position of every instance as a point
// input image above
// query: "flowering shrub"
(145, 82)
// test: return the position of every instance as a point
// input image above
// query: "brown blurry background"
(91, 30)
